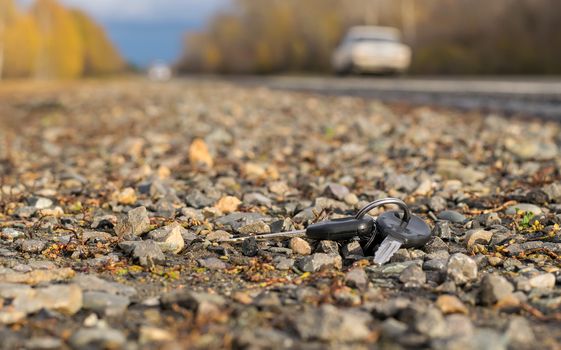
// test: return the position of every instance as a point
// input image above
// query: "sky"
(146, 31)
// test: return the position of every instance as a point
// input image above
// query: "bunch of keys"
(392, 230)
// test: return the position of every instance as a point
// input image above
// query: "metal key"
(399, 232)
(335, 230)
(360, 225)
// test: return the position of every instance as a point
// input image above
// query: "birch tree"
(7, 12)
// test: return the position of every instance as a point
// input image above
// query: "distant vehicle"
(371, 49)
(159, 72)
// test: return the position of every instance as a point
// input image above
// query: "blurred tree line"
(51, 41)
(447, 36)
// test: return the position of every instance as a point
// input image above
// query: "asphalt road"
(533, 97)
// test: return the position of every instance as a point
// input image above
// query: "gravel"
(461, 268)
(121, 244)
(135, 223)
(495, 288)
(318, 261)
(169, 238)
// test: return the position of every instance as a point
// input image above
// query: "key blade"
(295, 233)
(387, 249)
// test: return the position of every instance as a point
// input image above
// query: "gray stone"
(40, 202)
(351, 249)
(477, 236)
(435, 244)
(543, 281)
(263, 338)
(257, 227)
(489, 339)
(267, 300)
(11, 234)
(305, 216)
(435, 265)
(413, 275)
(430, 322)
(401, 182)
(531, 149)
(279, 250)
(417, 254)
(336, 191)
(453, 169)
(219, 235)
(331, 324)
(236, 220)
(135, 223)
(66, 299)
(256, 198)
(391, 307)
(44, 343)
(489, 219)
(97, 338)
(494, 288)
(323, 203)
(169, 238)
(198, 199)
(393, 329)
(553, 192)
(523, 207)
(327, 247)
(356, 278)
(283, 263)
(32, 246)
(315, 262)
(201, 303)
(95, 284)
(13, 290)
(155, 188)
(452, 216)
(191, 214)
(105, 303)
(189, 237)
(442, 229)
(103, 222)
(391, 269)
(519, 334)
(25, 212)
(438, 254)
(437, 203)
(212, 263)
(96, 236)
(401, 255)
(250, 247)
(458, 325)
(461, 268)
(518, 248)
(146, 253)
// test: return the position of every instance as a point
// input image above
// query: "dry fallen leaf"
(126, 196)
(228, 204)
(199, 154)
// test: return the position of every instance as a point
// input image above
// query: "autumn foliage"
(447, 36)
(50, 41)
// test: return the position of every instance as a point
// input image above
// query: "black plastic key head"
(341, 229)
(416, 233)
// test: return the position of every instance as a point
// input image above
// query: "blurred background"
(75, 38)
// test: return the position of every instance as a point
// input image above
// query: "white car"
(370, 49)
(159, 71)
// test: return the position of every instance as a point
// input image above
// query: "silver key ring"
(406, 212)
(404, 220)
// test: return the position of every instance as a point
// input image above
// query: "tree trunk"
(408, 20)
(1, 49)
